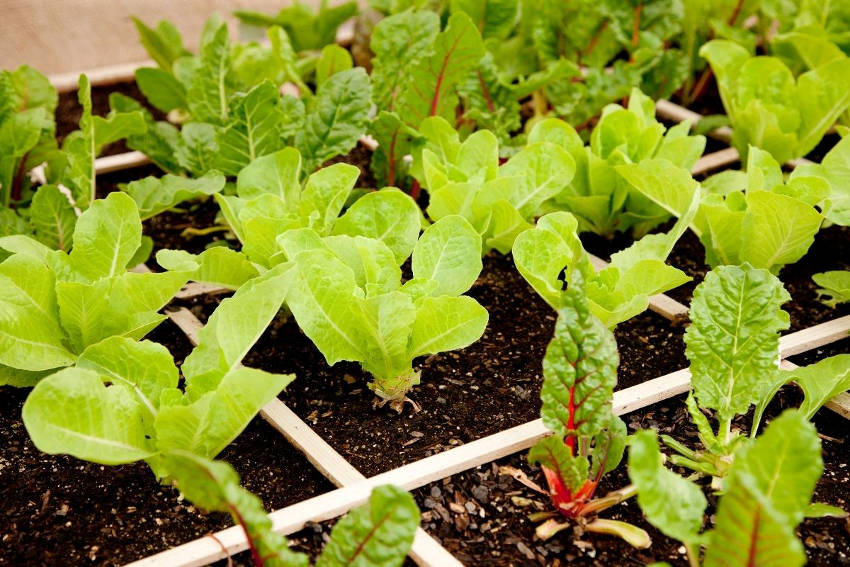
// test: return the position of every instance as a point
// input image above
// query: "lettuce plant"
(56, 304)
(549, 255)
(766, 495)
(270, 201)
(121, 403)
(349, 299)
(602, 199)
(466, 179)
(835, 170)
(733, 347)
(49, 213)
(834, 286)
(377, 534)
(771, 109)
(588, 440)
(229, 102)
(755, 217)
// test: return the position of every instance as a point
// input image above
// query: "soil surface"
(464, 395)
(481, 515)
(60, 511)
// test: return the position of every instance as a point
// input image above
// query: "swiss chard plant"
(227, 98)
(120, 402)
(769, 107)
(56, 304)
(733, 348)
(599, 195)
(465, 178)
(377, 534)
(549, 255)
(766, 495)
(588, 440)
(753, 216)
(348, 297)
(48, 213)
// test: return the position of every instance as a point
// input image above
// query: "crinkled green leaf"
(551, 453)
(106, 237)
(278, 173)
(821, 382)
(207, 95)
(834, 286)
(217, 266)
(154, 195)
(448, 252)
(446, 323)
(325, 194)
(53, 218)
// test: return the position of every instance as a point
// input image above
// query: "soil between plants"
(481, 516)
(58, 510)
(464, 395)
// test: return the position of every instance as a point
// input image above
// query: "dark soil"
(482, 515)
(830, 251)
(58, 510)
(465, 395)
(69, 111)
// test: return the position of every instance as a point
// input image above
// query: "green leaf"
(733, 339)
(159, 142)
(333, 60)
(579, 370)
(821, 382)
(214, 486)
(216, 266)
(53, 217)
(834, 286)
(30, 335)
(657, 487)
(154, 195)
(449, 252)
(766, 495)
(233, 328)
(207, 95)
(446, 323)
(551, 453)
(834, 168)
(429, 89)
(375, 535)
(18, 135)
(253, 129)
(387, 215)
(278, 174)
(325, 194)
(74, 412)
(495, 18)
(197, 147)
(336, 118)
(106, 237)
(163, 44)
(144, 367)
(161, 88)
(399, 41)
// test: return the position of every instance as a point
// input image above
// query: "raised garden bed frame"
(354, 488)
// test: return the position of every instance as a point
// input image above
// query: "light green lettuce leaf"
(154, 195)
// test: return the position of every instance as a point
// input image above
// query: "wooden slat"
(715, 160)
(814, 337)
(196, 289)
(187, 322)
(119, 162)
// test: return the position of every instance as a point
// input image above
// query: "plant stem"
(693, 555)
(636, 25)
(610, 499)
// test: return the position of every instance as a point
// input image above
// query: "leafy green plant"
(588, 440)
(603, 199)
(309, 30)
(377, 534)
(121, 403)
(49, 213)
(766, 495)
(834, 286)
(753, 217)
(349, 299)
(549, 255)
(733, 346)
(771, 109)
(466, 179)
(228, 100)
(833, 168)
(56, 304)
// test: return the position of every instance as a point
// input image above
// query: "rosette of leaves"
(549, 255)
(376, 534)
(733, 345)
(120, 402)
(348, 297)
(599, 195)
(770, 108)
(227, 98)
(271, 200)
(765, 497)
(56, 304)
(48, 213)
(753, 216)
(500, 201)
(588, 440)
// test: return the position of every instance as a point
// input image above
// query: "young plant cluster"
(502, 127)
